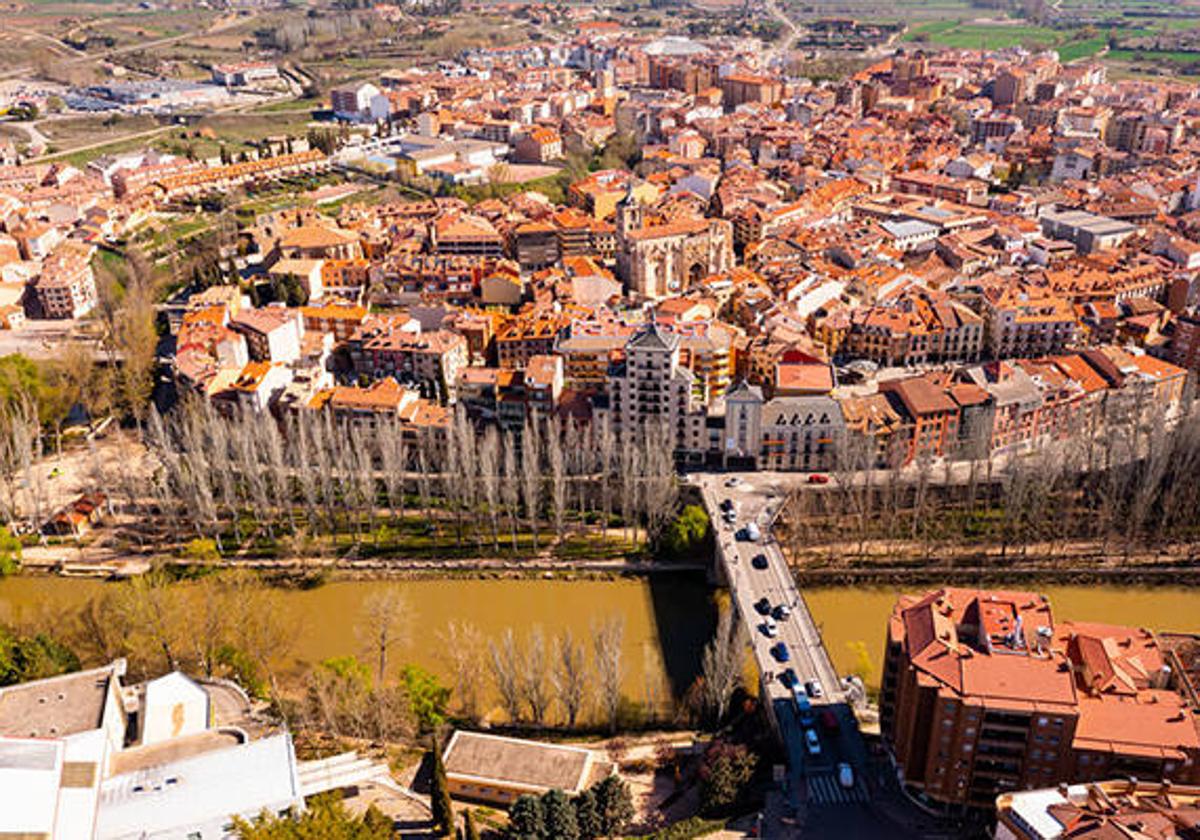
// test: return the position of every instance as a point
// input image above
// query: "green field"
(974, 36)
(1174, 57)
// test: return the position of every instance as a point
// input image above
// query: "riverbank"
(985, 576)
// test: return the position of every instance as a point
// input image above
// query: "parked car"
(780, 652)
(788, 678)
(845, 775)
(830, 721)
(752, 532)
(759, 561)
(763, 605)
(814, 689)
(812, 742)
(732, 481)
(727, 504)
(770, 628)
(818, 478)
(781, 612)
(729, 516)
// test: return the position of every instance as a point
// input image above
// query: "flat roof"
(516, 762)
(55, 707)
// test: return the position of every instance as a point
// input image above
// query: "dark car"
(780, 652)
(763, 605)
(759, 561)
(788, 678)
(727, 504)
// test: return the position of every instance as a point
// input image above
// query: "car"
(803, 707)
(732, 481)
(830, 721)
(763, 605)
(759, 561)
(752, 532)
(845, 775)
(814, 689)
(781, 612)
(730, 516)
(769, 628)
(787, 678)
(727, 505)
(812, 742)
(780, 652)
(818, 478)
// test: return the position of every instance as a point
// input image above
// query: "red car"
(817, 478)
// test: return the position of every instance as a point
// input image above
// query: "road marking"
(826, 790)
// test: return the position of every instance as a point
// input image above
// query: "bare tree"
(721, 665)
(383, 625)
(534, 685)
(569, 675)
(506, 673)
(462, 646)
(608, 639)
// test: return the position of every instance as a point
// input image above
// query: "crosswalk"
(826, 790)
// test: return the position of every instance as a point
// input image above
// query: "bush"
(687, 535)
(10, 553)
(725, 776)
(685, 829)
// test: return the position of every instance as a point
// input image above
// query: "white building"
(653, 387)
(83, 757)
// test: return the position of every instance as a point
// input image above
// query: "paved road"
(813, 795)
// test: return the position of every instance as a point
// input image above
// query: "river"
(668, 617)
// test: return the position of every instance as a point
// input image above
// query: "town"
(658, 427)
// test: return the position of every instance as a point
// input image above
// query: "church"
(663, 260)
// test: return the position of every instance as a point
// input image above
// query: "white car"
(845, 775)
(732, 481)
(770, 628)
(812, 742)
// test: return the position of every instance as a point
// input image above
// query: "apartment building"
(385, 347)
(652, 386)
(984, 694)
(1121, 809)
(1026, 321)
(66, 288)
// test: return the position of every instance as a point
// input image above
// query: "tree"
(470, 830)
(685, 536)
(558, 813)
(569, 675)
(10, 553)
(33, 657)
(439, 796)
(506, 671)
(614, 804)
(587, 816)
(324, 817)
(427, 698)
(721, 665)
(607, 640)
(525, 819)
(726, 770)
(383, 624)
(534, 686)
(863, 668)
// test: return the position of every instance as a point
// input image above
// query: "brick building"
(983, 693)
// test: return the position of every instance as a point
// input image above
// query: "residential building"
(984, 694)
